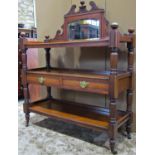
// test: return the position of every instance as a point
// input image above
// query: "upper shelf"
(73, 43)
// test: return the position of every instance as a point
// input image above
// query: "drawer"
(43, 80)
(96, 86)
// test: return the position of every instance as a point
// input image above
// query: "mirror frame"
(94, 13)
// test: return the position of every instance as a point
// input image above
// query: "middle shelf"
(80, 80)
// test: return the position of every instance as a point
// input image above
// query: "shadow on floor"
(88, 135)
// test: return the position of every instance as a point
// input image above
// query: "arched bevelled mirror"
(84, 29)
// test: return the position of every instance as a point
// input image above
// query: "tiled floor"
(49, 137)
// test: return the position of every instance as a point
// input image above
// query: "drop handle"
(41, 80)
(84, 84)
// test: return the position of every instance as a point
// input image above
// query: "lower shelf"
(81, 114)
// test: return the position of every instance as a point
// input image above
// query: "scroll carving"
(93, 6)
(59, 35)
(72, 10)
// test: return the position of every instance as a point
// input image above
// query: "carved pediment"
(83, 8)
(93, 14)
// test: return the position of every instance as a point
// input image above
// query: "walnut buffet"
(85, 28)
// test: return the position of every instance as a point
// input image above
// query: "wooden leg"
(129, 110)
(27, 117)
(27, 114)
(113, 125)
(26, 105)
(128, 129)
(113, 146)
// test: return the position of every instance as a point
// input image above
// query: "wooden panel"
(47, 80)
(123, 84)
(32, 62)
(93, 86)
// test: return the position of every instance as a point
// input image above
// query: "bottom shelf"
(77, 113)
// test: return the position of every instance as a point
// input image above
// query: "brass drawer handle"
(41, 80)
(84, 84)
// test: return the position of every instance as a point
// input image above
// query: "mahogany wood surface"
(32, 62)
(76, 112)
(75, 43)
(99, 81)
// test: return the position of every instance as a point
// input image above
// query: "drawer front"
(43, 80)
(101, 87)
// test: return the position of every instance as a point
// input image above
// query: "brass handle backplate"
(41, 80)
(84, 84)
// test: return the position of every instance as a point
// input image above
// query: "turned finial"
(114, 35)
(82, 2)
(46, 38)
(114, 25)
(22, 34)
(131, 34)
(82, 8)
(131, 30)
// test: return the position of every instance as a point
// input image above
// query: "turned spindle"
(130, 46)
(22, 41)
(113, 125)
(48, 65)
(114, 47)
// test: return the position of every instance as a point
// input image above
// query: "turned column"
(114, 44)
(48, 66)
(130, 46)
(22, 41)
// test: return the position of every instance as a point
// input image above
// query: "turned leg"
(23, 49)
(48, 67)
(113, 126)
(129, 110)
(130, 46)
(27, 113)
(27, 117)
(128, 129)
(26, 106)
(113, 146)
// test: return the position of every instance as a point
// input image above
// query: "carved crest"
(83, 8)
(73, 15)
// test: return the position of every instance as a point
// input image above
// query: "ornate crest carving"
(73, 15)
(93, 6)
(72, 10)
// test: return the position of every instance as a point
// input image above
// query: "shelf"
(80, 80)
(100, 74)
(81, 114)
(69, 43)
(75, 43)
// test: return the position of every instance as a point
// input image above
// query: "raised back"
(83, 24)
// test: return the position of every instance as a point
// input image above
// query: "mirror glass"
(84, 29)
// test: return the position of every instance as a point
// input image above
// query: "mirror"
(84, 29)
